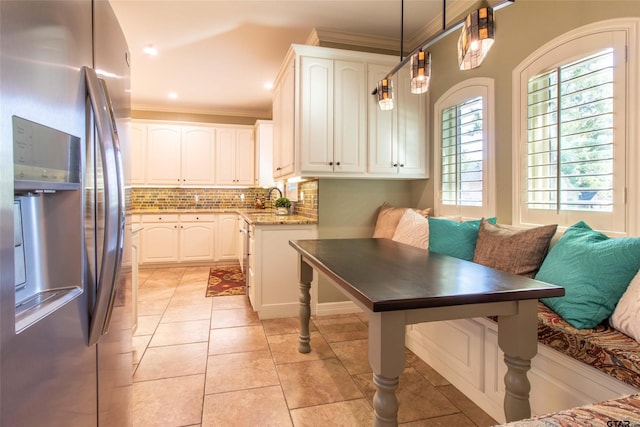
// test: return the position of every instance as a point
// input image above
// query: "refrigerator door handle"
(114, 223)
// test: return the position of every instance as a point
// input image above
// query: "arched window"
(571, 131)
(464, 171)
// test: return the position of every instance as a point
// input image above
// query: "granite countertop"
(268, 217)
(253, 216)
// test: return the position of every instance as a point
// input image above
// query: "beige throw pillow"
(626, 316)
(514, 251)
(413, 229)
(389, 217)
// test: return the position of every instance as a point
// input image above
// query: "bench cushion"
(602, 347)
(624, 411)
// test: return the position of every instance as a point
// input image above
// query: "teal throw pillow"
(594, 269)
(453, 238)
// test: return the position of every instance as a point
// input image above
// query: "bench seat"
(603, 347)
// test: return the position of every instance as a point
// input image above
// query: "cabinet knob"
(401, 165)
(338, 164)
(330, 163)
(159, 218)
(395, 165)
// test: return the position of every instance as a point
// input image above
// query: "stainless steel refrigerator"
(65, 301)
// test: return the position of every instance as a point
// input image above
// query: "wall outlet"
(242, 196)
(197, 198)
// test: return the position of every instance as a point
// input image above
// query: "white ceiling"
(217, 55)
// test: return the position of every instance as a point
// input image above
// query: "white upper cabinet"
(324, 114)
(183, 154)
(198, 155)
(138, 138)
(411, 149)
(235, 154)
(283, 123)
(177, 155)
(164, 148)
(263, 172)
(397, 138)
(333, 116)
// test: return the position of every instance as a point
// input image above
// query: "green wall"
(347, 208)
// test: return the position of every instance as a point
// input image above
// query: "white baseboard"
(333, 308)
(276, 311)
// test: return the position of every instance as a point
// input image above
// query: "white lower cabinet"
(159, 239)
(273, 269)
(188, 238)
(197, 237)
(227, 237)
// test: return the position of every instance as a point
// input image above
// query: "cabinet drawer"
(160, 218)
(197, 217)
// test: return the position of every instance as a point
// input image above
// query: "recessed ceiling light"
(150, 50)
(173, 95)
(268, 85)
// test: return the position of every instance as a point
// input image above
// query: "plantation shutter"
(462, 154)
(570, 136)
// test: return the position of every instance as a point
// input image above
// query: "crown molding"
(257, 114)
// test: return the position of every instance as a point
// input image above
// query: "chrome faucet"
(269, 190)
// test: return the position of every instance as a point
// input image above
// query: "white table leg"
(305, 272)
(387, 357)
(518, 339)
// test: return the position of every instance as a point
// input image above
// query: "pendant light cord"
(401, 29)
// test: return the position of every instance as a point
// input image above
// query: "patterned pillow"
(413, 229)
(595, 271)
(626, 316)
(389, 217)
(514, 251)
(456, 239)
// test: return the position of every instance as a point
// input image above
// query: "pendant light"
(478, 31)
(385, 94)
(476, 38)
(420, 72)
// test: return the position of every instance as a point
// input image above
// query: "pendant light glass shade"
(476, 38)
(385, 94)
(420, 72)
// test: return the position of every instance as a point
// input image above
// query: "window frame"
(622, 34)
(462, 92)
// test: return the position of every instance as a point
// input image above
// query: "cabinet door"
(284, 121)
(163, 154)
(264, 154)
(225, 156)
(245, 157)
(138, 138)
(198, 153)
(159, 242)
(412, 118)
(316, 114)
(349, 117)
(227, 237)
(197, 241)
(382, 136)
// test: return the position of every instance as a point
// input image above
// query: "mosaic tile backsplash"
(151, 198)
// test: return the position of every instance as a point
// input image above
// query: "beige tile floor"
(211, 362)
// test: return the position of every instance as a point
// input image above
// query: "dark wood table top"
(385, 275)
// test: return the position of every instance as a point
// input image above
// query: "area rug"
(225, 281)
